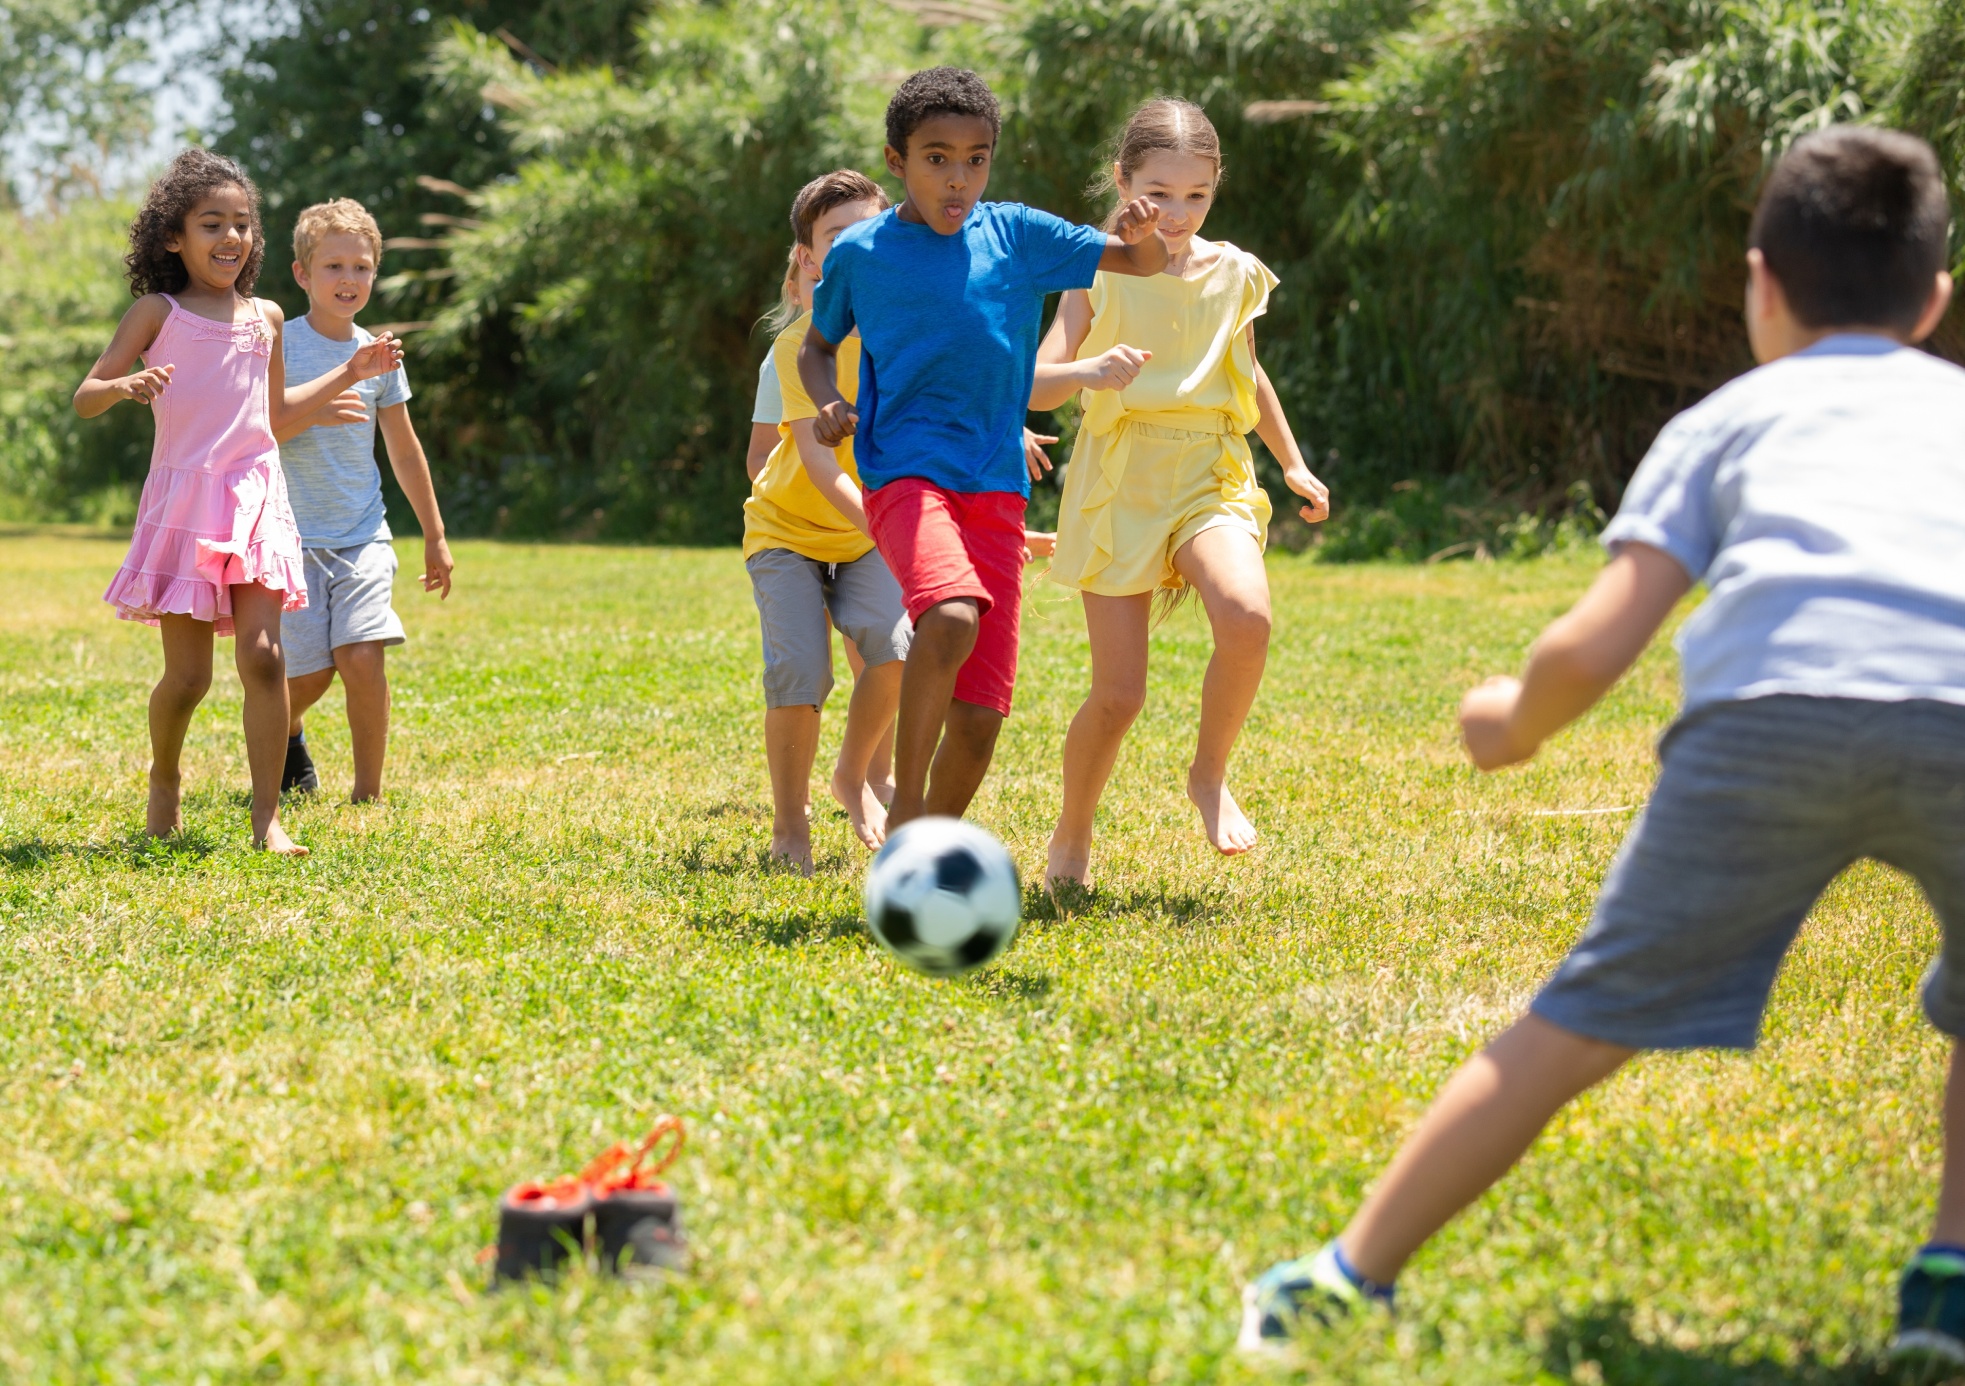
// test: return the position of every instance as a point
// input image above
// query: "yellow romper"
(1167, 457)
(785, 510)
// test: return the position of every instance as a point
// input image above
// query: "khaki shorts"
(796, 594)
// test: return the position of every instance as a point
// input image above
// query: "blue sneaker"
(1931, 1308)
(1283, 1297)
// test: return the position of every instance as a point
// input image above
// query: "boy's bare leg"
(365, 682)
(944, 635)
(303, 691)
(1482, 1122)
(880, 765)
(1117, 627)
(186, 679)
(1949, 1227)
(263, 674)
(791, 743)
(1225, 567)
(869, 718)
(961, 761)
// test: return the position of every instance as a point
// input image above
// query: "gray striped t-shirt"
(332, 478)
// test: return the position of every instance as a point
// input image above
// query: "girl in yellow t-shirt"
(813, 567)
(1162, 492)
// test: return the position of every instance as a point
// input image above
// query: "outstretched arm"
(1576, 660)
(289, 406)
(1135, 245)
(109, 380)
(1059, 376)
(818, 369)
(1273, 427)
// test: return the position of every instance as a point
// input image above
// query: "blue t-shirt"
(1821, 498)
(332, 479)
(948, 336)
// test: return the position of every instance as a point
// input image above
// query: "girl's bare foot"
(278, 843)
(863, 810)
(883, 790)
(793, 849)
(1068, 862)
(1227, 827)
(163, 816)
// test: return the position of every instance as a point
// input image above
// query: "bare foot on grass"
(863, 810)
(1227, 827)
(793, 849)
(164, 816)
(278, 843)
(1069, 864)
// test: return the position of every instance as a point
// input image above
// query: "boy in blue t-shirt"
(1821, 499)
(947, 293)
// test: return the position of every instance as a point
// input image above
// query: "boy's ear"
(896, 162)
(300, 274)
(1934, 307)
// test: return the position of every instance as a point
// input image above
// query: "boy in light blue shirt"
(336, 491)
(1821, 499)
(947, 293)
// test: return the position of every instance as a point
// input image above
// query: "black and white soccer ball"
(942, 896)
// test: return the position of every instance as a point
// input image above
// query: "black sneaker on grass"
(1931, 1308)
(298, 777)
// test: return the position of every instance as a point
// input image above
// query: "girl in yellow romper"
(1161, 493)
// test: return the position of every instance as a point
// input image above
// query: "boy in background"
(1821, 499)
(336, 490)
(946, 292)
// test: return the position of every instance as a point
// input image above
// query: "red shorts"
(946, 544)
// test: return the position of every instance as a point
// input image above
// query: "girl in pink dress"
(216, 551)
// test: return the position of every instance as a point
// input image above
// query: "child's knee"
(185, 687)
(261, 661)
(361, 663)
(1242, 624)
(1118, 703)
(949, 626)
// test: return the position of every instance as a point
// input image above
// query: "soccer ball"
(942, 896)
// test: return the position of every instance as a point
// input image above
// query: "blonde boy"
(336, 489)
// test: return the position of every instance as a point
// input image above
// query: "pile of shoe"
(617, 1210)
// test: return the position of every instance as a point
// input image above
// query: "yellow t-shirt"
(785, 510)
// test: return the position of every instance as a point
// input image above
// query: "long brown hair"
(1166, 124)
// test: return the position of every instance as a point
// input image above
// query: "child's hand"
(1487, 715)
(344, 408)
(437, 565)
(145, 386)
(1114, 369)
(1307, 486)
(1034, 457)
(1137, 220)
(379, 357)
(1038, 544)
(836, 423)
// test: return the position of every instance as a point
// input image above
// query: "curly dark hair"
(154, 270)
(936, 92)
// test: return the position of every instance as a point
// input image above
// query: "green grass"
(258, 1113)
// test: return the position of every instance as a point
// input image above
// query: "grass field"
(258, 1113)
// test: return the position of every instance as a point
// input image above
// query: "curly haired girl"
(215, 551)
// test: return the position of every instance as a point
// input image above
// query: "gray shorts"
(795, 594)
(347, 603)
(1759, 806)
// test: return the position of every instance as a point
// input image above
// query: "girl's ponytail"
(787, 309)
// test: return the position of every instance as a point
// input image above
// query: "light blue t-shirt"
(948, 337)
(332, 479)
(1821, 498)
(769, 406)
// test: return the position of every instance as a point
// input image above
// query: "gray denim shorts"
(1759, 806)
(348, 602)
(796, 594)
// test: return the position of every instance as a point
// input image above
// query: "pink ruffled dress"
(214, 509)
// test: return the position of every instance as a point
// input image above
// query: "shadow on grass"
(1156, 902)
(779, 928)
(187, 848)
(1601, 1347)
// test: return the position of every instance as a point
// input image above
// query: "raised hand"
(144, 386)
(379, 357)
(344, 408)
(1114, 369)
(1035, 459)
(1312, 490)
(1138, 219)
(835, 423)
